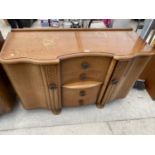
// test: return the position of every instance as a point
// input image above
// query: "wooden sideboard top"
(50, 45)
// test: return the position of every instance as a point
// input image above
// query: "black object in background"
(139, 84)
(20, 23)
(27, 22)
(15, 23)
(1, 40)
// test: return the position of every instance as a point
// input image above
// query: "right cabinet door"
(123, 78)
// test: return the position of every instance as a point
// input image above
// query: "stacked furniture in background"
(7, 94)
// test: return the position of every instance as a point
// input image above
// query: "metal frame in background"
(149, 24)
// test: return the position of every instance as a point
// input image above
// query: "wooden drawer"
(86, 68)
(80, 93)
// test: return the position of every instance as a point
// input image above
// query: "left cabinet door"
(28, 82)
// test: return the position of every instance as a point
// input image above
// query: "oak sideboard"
(56, 68)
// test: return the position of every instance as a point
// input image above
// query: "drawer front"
(80, 95)
(84, 69)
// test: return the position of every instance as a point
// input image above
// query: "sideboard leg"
(100, 106)
(56, 111)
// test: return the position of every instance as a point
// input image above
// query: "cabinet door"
(28, 82)
(123, 78)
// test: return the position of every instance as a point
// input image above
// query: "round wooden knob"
(83, 76)
(85, 65)
(81, 102)
(52, 86)
(114, 81)
(82, 93)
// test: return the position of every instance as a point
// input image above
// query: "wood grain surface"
(54, 68)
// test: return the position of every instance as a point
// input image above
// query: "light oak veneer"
(54, 68)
